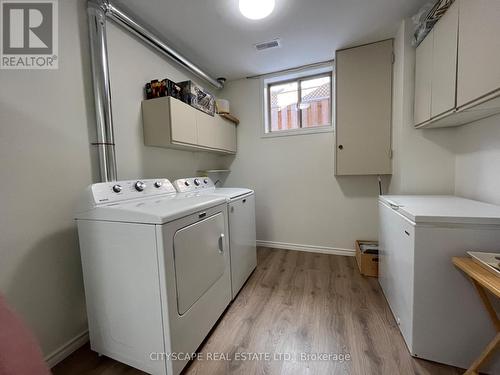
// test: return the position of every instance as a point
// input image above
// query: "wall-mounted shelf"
(215, 171)
(230, 117)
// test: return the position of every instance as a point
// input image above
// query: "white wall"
(424, 160)
(131, 65)
(45, 163)
(477, 166)
(298, 198)
(47, 123)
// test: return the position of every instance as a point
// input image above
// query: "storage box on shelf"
(171, 123)
(457, 73)
(197, 97)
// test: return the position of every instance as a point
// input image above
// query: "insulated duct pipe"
(98, 11)
(102, 91)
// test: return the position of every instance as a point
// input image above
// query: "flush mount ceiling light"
(256, 9)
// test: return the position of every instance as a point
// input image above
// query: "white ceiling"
(215, 36)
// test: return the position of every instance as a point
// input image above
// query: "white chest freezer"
(438, 312)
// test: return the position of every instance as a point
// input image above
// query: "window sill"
(288, 133)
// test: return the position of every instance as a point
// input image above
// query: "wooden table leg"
(487, 304)
(494, 344)
(485, 355)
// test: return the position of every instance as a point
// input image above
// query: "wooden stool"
(482, 280)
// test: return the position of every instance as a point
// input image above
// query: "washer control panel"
(186, 185)
(109, 192)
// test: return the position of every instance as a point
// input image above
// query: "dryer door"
(198, 259)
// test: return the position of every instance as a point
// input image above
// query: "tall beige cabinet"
(363, 109)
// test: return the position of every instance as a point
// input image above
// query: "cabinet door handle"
(341, 147)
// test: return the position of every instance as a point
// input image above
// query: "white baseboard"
(307, 248)
(67, 349)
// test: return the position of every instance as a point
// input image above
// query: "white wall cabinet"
(435, 72)
(206, 127)
(183, 122)
(444, 56)
(225, 135)
(363, 109)
(171, 123)
(423, 79)
(478, 50)
(457, 72)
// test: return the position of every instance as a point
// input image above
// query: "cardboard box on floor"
(367, 262)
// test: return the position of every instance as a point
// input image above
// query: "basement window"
(299, 103)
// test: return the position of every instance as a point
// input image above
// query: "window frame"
(267, 83)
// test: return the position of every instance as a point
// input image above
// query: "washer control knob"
(158, 184)
(117, 188)
(186, 183)
(197, 182)
(140, 186)
(205, 181)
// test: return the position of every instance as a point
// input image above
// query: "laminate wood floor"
(295, 304)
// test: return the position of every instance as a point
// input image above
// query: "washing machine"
(241, 213)
(156, 270)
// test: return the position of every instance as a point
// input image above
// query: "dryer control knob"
(205, 181)
(140, 186)
(186, 183)
(197, 182)
(117, 188)
(158, 184)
